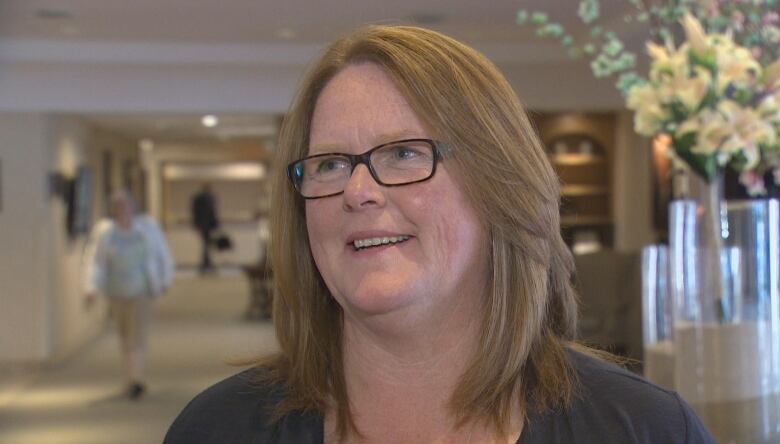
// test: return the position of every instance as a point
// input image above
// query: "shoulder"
(147, 225)
(612, 404)
(594, 374)
(102, 227)
(145, 220)
(613, 399)
(101, 232)
(236, 410)
(233, 407)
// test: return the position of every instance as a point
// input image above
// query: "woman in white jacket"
(128, 261)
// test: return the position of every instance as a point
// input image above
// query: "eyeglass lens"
(392, 164)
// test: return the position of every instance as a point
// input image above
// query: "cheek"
(457, 235)
(319, 217)
(320, 226)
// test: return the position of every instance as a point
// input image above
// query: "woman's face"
(442, 264)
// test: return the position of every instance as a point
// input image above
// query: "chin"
(377, 297)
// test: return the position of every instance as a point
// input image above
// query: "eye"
(404, 155)
(405, 152)
(408, 153)
(330, 165)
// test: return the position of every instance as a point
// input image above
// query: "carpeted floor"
(198, 328)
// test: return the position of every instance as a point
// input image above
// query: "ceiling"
(240, 34)
(253, 21)
(188, 127)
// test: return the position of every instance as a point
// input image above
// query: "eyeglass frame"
(439, 150)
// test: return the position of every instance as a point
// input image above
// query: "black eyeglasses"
(391, 164)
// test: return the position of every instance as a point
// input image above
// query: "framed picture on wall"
(107, 174)
(79, 202)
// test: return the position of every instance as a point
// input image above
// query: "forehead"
(361, 106)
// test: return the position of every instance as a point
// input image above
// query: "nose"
(362, 191)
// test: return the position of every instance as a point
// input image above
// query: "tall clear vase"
(657, 314)
(725, 279)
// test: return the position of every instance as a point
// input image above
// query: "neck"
(400, 382)
(124, 222)
(437, 358)
(415, 343)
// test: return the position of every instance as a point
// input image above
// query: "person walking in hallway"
(205, 221)
(128, 260)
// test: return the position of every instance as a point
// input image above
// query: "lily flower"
(772, 74)
(694, 33)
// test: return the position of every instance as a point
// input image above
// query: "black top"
(204, 211)
(612, 406)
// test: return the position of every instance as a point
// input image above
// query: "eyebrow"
(382, 139)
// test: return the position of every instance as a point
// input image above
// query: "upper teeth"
(372, 241)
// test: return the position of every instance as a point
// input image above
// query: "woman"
(128, 260)
(423, 288)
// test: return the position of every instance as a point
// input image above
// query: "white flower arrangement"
(715, 101)
(716, 95)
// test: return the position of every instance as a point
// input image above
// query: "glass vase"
(657, 316)
(725, 280)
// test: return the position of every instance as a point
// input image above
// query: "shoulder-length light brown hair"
(530, 307)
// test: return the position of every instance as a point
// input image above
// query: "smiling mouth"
(362, 244)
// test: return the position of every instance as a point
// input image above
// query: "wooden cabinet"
(580, 147)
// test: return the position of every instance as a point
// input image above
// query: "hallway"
(198, 327)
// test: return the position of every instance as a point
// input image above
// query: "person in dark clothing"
(206, 222)
(422, 289)
(612, 406)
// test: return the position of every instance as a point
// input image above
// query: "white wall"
(25, 238)
(632, 185)
(238, 201)
(77, 87)
(565, 86)
(42, 316)
(72, 144)
(189, 153)
(167, 83)
(72, 324)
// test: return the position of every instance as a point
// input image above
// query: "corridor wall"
(238, 201)
(25, 239)
(42, 316)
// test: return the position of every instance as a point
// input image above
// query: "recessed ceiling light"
(209, 120)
